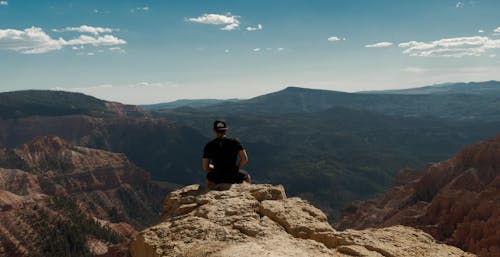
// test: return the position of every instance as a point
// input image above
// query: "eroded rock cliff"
(457, 201)
(259, 220)
(58, 199)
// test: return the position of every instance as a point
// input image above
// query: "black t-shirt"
(223, 154)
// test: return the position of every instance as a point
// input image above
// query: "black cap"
(220, 125)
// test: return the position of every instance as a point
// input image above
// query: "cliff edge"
(259, 220)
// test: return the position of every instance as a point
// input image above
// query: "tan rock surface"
(259, 220)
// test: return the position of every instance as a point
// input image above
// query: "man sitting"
(220, 158)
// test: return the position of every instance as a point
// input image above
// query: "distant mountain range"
(19, 104)
(479, 88)
(193, 103)
(328, 147)
(457, 101)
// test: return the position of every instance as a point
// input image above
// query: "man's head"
(220, 127)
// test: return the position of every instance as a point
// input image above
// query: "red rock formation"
(146, 141)
(41, 180)
(456, 201)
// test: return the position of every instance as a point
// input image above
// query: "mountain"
(259, 220)
(451, 106)
(456, 201)
(158, 145)
(329, 157)
(58, 199)
(471, 88)
(20, 104)
(194, 103)
(335, 156)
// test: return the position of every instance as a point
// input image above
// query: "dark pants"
(236, 177)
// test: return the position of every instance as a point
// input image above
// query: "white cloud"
(459, 5)
(4, 3)
(451, 47)
(333, 39)
(106, 40)
(226, 51)
(86, 29)
(480, 31)
(29, 41)
(280, 49)
(417, 70)
(231, 22)
(256, 49)
(231, 26)
(497, 30)
(35, 41)
(258, 27)
(381, 44)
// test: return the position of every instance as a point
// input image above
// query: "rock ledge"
(259, 220)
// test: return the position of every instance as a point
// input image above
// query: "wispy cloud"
(258, 27)
(416, 70)
(86, 29)
(229, 21)
(459, 5)
(117, 49)
(4, 3)
(140, 9)
(451, 47)
(35, 41)
(335, 38)
(257, 49)
(378, 45)
(480, 31)
(133, 93)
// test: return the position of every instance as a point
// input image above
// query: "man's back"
(223, 153)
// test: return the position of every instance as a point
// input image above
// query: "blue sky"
(156, 51)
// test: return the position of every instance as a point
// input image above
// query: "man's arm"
(243, 158)
(206, 165)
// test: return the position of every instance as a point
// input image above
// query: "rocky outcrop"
(456, 201)
(259, 220)
(55, 195)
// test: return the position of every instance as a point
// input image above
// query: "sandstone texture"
(259, 220)
(52, 190)
(456, 201)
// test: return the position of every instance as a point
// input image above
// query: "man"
(220, 158)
